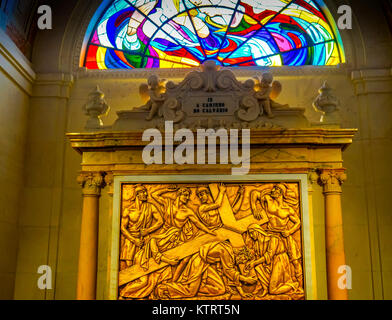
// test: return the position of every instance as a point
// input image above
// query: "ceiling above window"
(184, 33)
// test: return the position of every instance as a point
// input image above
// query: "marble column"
(91, 183)
(331, 180)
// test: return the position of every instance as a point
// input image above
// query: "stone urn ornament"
(327, 103)
(95, 108)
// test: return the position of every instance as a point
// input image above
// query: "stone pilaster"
(312, 179)
(109, 180)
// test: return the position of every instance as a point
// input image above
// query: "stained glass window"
(184, 33)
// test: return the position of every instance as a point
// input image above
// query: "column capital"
(367, 81)
(91, 183)
(332, 180)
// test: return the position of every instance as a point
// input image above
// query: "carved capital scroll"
(332, 180)
(91, 183)
(109, 179)
(313, 177)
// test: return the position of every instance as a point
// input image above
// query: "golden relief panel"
(211, 241)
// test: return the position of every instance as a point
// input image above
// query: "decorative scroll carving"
(313, 177)
(169, 101)
(210, 79)
(250, 109)
(332, 180)
(171, 110)
(198, 241)
(158, 102)
(91, 182)
(219, 87)
(109, 179)
(211, 94)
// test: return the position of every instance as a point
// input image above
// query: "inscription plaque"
(217, 105)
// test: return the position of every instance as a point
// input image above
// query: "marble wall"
(14, 109)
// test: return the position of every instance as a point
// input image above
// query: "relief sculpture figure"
(281, 210)
(155, 248)
(177, 213)
(208, 210)
(139, 220)
(201, 277)
(272, 263)
(238, 200)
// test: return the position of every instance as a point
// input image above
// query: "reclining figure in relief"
(267, 90)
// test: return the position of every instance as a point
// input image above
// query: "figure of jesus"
(177, 213)
(208, 210)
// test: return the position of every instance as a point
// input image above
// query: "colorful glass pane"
(185, 33)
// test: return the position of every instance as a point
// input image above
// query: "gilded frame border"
(308, 263)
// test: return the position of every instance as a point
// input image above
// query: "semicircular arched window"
(184, 33)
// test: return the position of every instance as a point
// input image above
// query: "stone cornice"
(314, 136)
(15, 65)
(372, 81)
(53, 85)
(239, 72)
